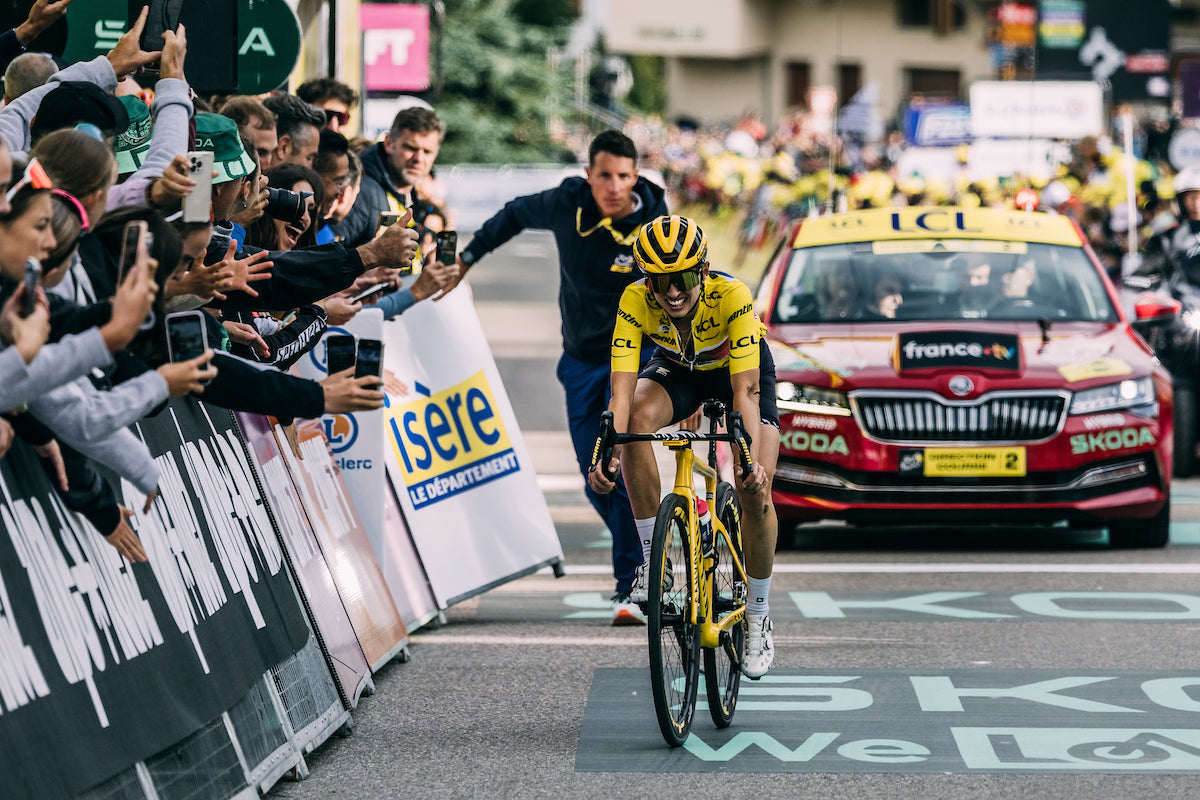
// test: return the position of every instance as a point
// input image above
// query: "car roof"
(938, 222)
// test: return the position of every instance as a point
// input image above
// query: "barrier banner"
(456, 457)
(358, 447)
(359, 580)
(403, 571)
(318, 588)
(355, 439)
(104, 663)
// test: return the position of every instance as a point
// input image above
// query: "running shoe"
(760, 647)
(625, 611)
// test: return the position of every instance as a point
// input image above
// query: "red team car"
(962, 366)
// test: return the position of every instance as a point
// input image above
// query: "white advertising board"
(355, 439)
(455, 455)
(1039, 109)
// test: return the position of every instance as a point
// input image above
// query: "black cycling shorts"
(689, 388)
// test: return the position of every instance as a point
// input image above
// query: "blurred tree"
(547, 13)
(649, 92)
(499, 92)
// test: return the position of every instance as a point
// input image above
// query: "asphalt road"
(969, 663)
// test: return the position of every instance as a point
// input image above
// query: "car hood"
(926, 356)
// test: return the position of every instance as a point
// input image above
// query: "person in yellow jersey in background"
(709, 345)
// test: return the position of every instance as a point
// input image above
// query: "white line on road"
(1083, 569)
(554, 641)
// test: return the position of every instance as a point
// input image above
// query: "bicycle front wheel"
(674, 640)
(723, 665)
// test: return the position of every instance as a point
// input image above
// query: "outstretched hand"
(125, 540)
(128, 56)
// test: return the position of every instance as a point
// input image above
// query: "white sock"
(757, 591)
(645, 532)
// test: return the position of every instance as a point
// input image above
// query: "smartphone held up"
(187, 336)
(134, 236)
(33, 273)
(339, 353)
(198, 203)
(370, 359)
(447, 247)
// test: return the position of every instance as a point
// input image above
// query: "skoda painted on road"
(944, 365)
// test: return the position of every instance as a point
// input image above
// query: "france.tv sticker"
(450, 442)
(940, 349)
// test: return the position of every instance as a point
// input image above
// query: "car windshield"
(942, 279)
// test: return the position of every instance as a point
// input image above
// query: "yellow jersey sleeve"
(627, 334)
(743, 328)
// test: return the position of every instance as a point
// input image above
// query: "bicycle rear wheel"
(674, 640)
(723, 673)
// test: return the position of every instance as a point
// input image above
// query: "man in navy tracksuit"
(594, 222)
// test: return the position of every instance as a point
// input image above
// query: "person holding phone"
(298, 277)
(439, 274)
(99, 108)
(392, 171)
(25, 233)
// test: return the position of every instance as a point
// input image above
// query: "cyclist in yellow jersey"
(710, 345)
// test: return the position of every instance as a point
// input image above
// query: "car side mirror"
(1154, 306)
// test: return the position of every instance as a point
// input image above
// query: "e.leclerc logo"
(450, 442)
(341, 430)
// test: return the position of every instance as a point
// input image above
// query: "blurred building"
(727, 57)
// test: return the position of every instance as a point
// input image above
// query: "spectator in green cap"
(134, 142)
(150, 150)
(231, 163)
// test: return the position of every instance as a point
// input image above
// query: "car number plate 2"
(974, 462)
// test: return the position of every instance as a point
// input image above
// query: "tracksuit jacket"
(594, 269)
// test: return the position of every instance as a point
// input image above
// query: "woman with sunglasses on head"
(709, 346)
(25, 233)
(93, 423)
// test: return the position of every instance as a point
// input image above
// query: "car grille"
(924, 417)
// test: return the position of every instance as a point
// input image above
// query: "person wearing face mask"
(709, 345)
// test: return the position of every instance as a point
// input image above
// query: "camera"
(286, 205)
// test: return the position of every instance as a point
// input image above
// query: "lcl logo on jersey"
(622, 263)
(341, 430)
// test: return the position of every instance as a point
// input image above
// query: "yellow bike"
(697, 583)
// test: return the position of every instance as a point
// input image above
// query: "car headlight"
(812, 399)
(1135, 395)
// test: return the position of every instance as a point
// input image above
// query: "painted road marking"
(996, 567)
(888, 606)
(928, 721)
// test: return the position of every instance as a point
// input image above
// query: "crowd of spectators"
(96, 252)
(764, 179)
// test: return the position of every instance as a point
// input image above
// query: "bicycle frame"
(704, 564)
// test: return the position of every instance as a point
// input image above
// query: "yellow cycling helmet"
(670, 244)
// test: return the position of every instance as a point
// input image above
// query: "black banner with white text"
(103, 663)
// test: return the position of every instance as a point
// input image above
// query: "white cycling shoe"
(760, 647)
(639, 592)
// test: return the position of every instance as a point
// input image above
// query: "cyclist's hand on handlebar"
(599, 481)
(755, 480)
